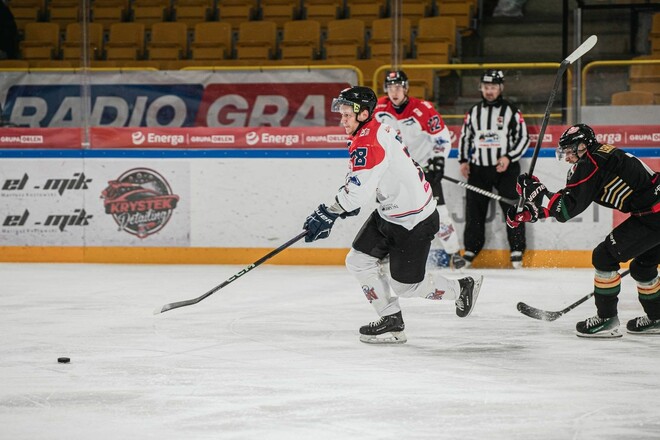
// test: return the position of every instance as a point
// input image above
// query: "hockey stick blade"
(545, 315)
(585, 47)
(189, 302)
(483, 192)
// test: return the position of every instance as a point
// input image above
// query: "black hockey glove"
(435, 169)
(319, 223)
(531, 189)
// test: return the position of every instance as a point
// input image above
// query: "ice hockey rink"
(276, 355)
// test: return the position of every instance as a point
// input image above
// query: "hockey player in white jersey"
(402, 227)
(428, 140)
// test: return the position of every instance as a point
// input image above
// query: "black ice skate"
(387, 330)
(643, 326)
(468, 297)
(597, 327)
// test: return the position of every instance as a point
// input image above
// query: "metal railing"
(594, 64)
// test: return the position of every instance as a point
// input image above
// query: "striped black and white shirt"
(491, 131)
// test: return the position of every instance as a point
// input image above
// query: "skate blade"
(611, 334)
(385, 338)
(653, 332)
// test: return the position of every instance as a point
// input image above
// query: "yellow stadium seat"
(106, 12)
(345, 39)
(212, 41)
(322, 11)
(27, 11)
(366, 10)
(64, 12)
(169, 41)
(414, 10)
(463, 14)
(300, 40)
(72, 47)
(279, 11)
(41, 41)
(192, 12)
(432, 30)
(632, 98)
(149, 12)
(256, 40)
(14, 64)
(382, 36)
(236, 12)
(125, 42)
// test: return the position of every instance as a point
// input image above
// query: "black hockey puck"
(63, 360)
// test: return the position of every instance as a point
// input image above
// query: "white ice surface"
(275, 355)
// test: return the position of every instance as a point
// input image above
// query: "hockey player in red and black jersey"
(402, 227)
(610, 177)
(428, 140)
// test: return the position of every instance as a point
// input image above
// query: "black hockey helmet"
(361, 98)
(492, 76)
(395, 77)
(571, 139)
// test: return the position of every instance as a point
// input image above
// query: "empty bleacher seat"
(462, 12)
(192, 12)
(323, 11)
(169, 41)
(64, 12)
(256, 40)
(436, 39)
(279, 11)
(125, 41)
(41, 41)
(72, 46)
(414, 10)
(212, 41)
(106, 12)
(345, 39)
(382, 36)
(632, 98)
(300, 40)
(366, 10)
(27, 11)
(236, 12)
(149, 12)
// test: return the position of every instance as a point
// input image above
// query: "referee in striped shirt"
(493, 139)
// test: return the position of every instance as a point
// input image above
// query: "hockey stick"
(545, 315)
(270, 255)
(577, 53)
(483, 192)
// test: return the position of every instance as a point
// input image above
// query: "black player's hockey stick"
(577, 53)
(483, 192)
(271, 254)
(545, 315)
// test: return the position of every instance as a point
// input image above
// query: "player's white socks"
(374, 284)
(447, 237)
(433, 286)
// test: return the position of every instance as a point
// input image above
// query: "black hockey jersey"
(609, 177)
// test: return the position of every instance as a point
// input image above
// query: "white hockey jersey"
(379, 164)
(420, 125)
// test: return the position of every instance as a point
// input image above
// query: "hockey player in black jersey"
(610, 177)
